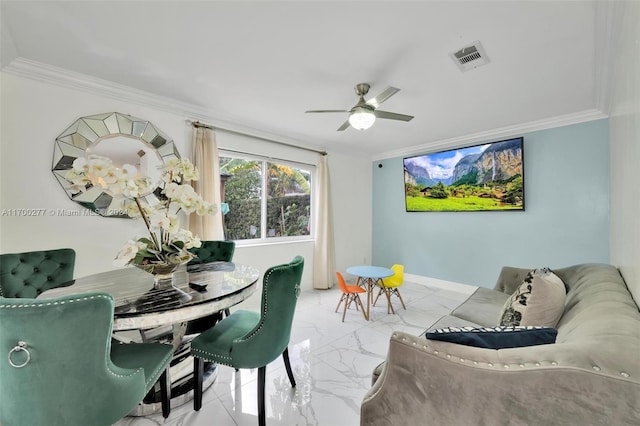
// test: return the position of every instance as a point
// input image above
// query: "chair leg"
(165, 393)
(379, 293)
(346, 305)
(287, 365)
(397, 293)
(261, 379)
(198, 371)
(364, 311)
(353, 298)
(340, 301)
(387, 292)
(227, 312)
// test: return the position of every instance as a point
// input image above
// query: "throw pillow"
(495, 337)
(539, 301)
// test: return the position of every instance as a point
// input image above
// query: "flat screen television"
(475, 178)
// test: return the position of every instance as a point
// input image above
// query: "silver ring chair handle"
(22, 346)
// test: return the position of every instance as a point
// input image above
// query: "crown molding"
(39, 71)
(495, 134)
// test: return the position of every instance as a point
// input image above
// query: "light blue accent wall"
(565, 222)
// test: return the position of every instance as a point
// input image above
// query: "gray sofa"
(590, 376)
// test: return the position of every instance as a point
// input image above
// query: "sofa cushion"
(539, 301)
(495, 337)
(482, 307)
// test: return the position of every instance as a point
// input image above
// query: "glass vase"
(162, 274)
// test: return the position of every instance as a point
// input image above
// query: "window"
(284, 212)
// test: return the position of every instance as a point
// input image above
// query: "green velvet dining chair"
(213, 251)
(30, 273)
(248, 339)
(210, 251)
(58, 365)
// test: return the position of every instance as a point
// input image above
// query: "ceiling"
(261, 65)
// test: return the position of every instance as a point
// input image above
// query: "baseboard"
(445, 285)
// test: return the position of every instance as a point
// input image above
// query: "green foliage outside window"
(287, 203)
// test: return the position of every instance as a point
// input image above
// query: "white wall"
(624, 127)
(351, 185)
(34, 113)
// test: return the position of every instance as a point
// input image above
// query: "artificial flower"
(167, 242)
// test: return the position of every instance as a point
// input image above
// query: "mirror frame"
(86, 132)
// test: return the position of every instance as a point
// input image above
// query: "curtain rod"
(209, 126)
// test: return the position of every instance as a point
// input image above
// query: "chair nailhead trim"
(79, 299)
(42, 304)
(226, 360)
(136, 371)
(158, 370)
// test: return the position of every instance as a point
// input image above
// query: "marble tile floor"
(332, 363)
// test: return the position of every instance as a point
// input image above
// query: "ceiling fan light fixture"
(361, 118)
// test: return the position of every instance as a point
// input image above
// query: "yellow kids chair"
(390, 286)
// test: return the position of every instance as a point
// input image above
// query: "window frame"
(264, 240)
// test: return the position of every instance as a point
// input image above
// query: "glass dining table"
(143, 313)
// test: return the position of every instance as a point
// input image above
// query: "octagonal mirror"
(122, 138)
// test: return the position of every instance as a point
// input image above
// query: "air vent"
(470, 57)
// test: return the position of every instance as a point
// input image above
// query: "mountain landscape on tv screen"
(484, 177)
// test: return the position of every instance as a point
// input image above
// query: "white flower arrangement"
(168, 244)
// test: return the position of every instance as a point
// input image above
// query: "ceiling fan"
(364, 113)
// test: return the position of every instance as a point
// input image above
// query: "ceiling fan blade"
(383, 96)
(392, 115)
(328, 110)
(344, 126)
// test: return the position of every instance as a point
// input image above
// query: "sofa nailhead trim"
(506, 366)
(623, 374)
(554, 363)
(596, 368)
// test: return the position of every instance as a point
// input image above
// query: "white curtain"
(324, 250)
(206, 160)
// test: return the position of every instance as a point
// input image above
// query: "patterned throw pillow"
(495, 337)
(539, 301)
